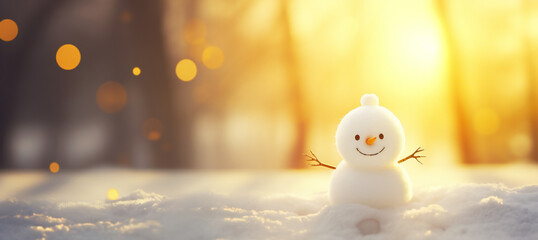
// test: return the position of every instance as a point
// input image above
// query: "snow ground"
(55, 209)
(462, 212)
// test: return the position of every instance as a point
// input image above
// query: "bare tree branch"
(413, 156)
(313, 158)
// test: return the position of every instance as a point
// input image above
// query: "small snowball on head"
(369, 100)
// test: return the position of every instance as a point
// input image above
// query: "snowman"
(370, 139)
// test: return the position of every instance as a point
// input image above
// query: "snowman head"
(370, 135)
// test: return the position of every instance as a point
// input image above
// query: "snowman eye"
(357, 137)
(381, 136)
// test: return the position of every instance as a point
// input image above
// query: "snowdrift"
(471, 211)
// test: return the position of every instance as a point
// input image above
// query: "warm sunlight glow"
(414, 50)
(68, 57)
(486, 121)
(152, 129)
(8, 30)
(186, 70)
(421, 45)
(112, 194)
(212, 57)
(54, 167)
(111, 97)
(264, 79)
(136, 71)
(194, 32)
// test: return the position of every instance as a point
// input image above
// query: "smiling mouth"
(372, 154)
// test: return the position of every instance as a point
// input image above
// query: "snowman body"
(370, 139)
(379, 188)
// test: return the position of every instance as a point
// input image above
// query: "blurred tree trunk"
(530, 50)
(296, 98)
(455, 82)
(113, 51)
(11, 68)
(157, 83)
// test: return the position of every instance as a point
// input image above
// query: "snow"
(463, 211)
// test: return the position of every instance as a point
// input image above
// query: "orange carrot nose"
(370, 141)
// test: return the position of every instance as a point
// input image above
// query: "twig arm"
(413, 156)
(316, 162)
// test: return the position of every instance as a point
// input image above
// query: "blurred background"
(255, 84)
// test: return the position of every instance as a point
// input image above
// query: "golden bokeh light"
(111, 97)
(136, 71)
(126, 16)
(212, 57)
(54, 167)
(152, 129)
(194, 32)
(112, 194)
(8, 30)
(186, 70)
(68, 56)
(486, 121)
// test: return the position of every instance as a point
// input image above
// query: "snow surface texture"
(460, 212)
